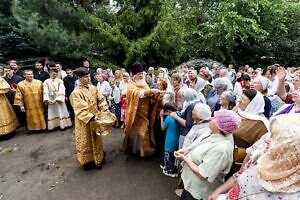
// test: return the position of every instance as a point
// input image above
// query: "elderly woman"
(228, 100)
(205, 166)
(213, 98)
(261, 84)
(186, 120)
(201, 115)
(254, 124)
(276, 173)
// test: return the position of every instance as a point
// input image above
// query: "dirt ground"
(44, 166)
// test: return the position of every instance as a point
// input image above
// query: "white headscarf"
(255, 110)
(265, 83)
(190, 97)
(257, 105)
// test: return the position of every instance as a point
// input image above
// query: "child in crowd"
(172, 128)
(123, 110)
(114, 101)
(123, 89)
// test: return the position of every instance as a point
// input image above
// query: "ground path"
(44, 166)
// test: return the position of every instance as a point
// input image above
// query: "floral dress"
(248, 187)
(115, 105)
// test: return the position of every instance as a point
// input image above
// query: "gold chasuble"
(30, 95)
(137, 124)
(87, 101)
(8, 119)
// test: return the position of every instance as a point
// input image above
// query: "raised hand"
(281, 73)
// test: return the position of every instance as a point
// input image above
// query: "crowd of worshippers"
(212, 124)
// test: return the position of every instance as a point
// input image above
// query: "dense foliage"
(152, 32)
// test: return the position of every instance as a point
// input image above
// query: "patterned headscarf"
(279, 168)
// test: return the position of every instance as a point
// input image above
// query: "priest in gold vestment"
(87, 101)
(8, 119)
(137, 118)
(29, 96)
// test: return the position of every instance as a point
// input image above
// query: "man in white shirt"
(271, 74)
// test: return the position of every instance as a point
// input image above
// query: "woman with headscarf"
(261, 84)
(213, 97)
(201, 115)
(186, 120)
(254, 123)
(276, 173)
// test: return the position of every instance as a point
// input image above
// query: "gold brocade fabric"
(30, 95)
(137, 115)
(8, 118)
(86, 102)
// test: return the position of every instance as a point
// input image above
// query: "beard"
(141, 82)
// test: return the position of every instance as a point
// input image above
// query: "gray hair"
(221, 82)
(190, 97)
(229, 95)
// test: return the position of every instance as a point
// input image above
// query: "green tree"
(156, 32)
(13, 45)
(137, 32)
(237, 31)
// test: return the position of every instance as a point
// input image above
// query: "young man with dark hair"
(13, 80)
(39, 73)
(87, 101)
(54, 97)
(92, 71)
(14, 65)
(69, 82)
